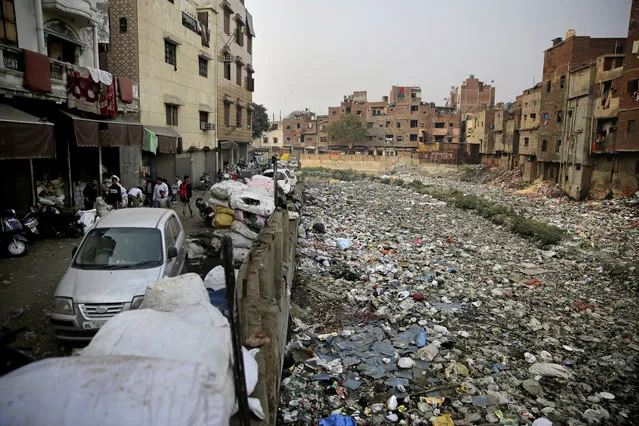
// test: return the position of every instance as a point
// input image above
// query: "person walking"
(186, 192)
(150, 185)
(160, 191)
(90, 193)
(114, 193)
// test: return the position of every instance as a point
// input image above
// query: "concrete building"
(54, 126)
(235, 80)
(479, 134)
(168, 49)
(301, 133)
(530, 119)
(272, 142)
(472, 93)
(559, 59)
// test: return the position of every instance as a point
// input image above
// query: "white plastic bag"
(216, 280)
(222, 190)
(170, 293)
(115, 391)
(239, 254)
(256, 200)
(243, 230)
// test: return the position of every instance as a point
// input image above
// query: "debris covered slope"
(407, 310)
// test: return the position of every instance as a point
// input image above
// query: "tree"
(347, 130)
(260, 121)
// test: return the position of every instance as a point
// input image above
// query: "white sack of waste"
(550, 370)
(88, 219)
(256, 200)
(216, 279)
(239, 254)
(170, 293)
(263, 181)
(223, 190)
(133, 391)
(240, 241)
(213, 202)
(243, 230)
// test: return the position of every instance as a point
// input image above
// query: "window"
(169, 53)
(333, 112)
(359, 113)
(439, 138)
(413, 138)
(227, 22)
(558, 145)
(525, 117)
(544, 145)
(238, 116)
(249, 44)
(526, 141)
(560, 116)
(440, 125)
(171, 114)
(414, 108)
(203, 65)
(8, 28)
(450, 140)
(632, 125)
(227, 70)
(298, 125)
(399, 125)
(227, 114)
(275, 141)
(548, 86)
(238, 73)
(400, 138)
(450, 124)
(562, 82)
(545, 118)
(413, 124)
(533, 116)
(633, 89)
(204, 117)
(265, 139)
(310, 125)
(124, 25)
(348, 110)
(239, 34)
(249, 119)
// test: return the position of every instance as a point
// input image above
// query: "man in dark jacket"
(90, 193)
(114, 193)
(185, 193)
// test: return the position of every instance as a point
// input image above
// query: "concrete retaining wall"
(263, 285)
(370, 163)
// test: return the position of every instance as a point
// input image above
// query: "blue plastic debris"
(343, 243)
(337, 420)
(421, 339)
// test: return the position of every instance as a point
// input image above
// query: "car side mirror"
(172, 253)
(74, 251)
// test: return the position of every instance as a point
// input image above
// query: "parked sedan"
(282, 180)
(111, 269)
(291, 177)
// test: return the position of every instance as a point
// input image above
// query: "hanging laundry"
(92, 90)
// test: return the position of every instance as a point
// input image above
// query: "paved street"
(30, 282)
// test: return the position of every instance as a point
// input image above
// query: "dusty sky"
(309, 53)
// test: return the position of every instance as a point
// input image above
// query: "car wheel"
(17, 248)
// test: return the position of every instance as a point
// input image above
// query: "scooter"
(11, 238)
(206, 211)
(205, 181)
(12, 358)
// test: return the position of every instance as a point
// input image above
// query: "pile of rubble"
(410, 311)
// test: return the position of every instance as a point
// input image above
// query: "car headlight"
(63, 305)
(136, 302)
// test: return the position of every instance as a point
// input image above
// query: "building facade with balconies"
(234, 58)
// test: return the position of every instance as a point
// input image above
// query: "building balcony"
(12, 79)
(604, 143)
(80, 10)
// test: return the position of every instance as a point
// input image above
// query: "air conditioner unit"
(207, 126)
(228, 57)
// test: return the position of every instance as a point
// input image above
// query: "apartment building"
(235, 82)
(301, 132)
(472, 94)
(63, 116)
(272, 142)
(479, 134)
(559, 59)
(168, 49)
(530, 120)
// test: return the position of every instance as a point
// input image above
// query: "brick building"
(479, 131)
(472, 93)
(559, 59)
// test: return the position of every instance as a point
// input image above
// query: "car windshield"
(280, 175)
(120, 248)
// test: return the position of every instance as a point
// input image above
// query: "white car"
(125, 252)
(282, 180)
(291, 177)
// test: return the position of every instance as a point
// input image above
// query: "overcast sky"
(309, 53)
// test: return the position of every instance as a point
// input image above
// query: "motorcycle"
(11, 237)
(52, 222)
(206, 211)
(205, 181)
(12, 358)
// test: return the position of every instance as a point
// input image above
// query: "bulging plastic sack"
(170, 293)
(223, 190)
(256, 200)
(243, 230)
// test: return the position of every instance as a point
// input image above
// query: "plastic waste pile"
(159, 365)
(52, 190)
(408, 310)
(241, 211)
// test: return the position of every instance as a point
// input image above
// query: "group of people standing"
(153, 194)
